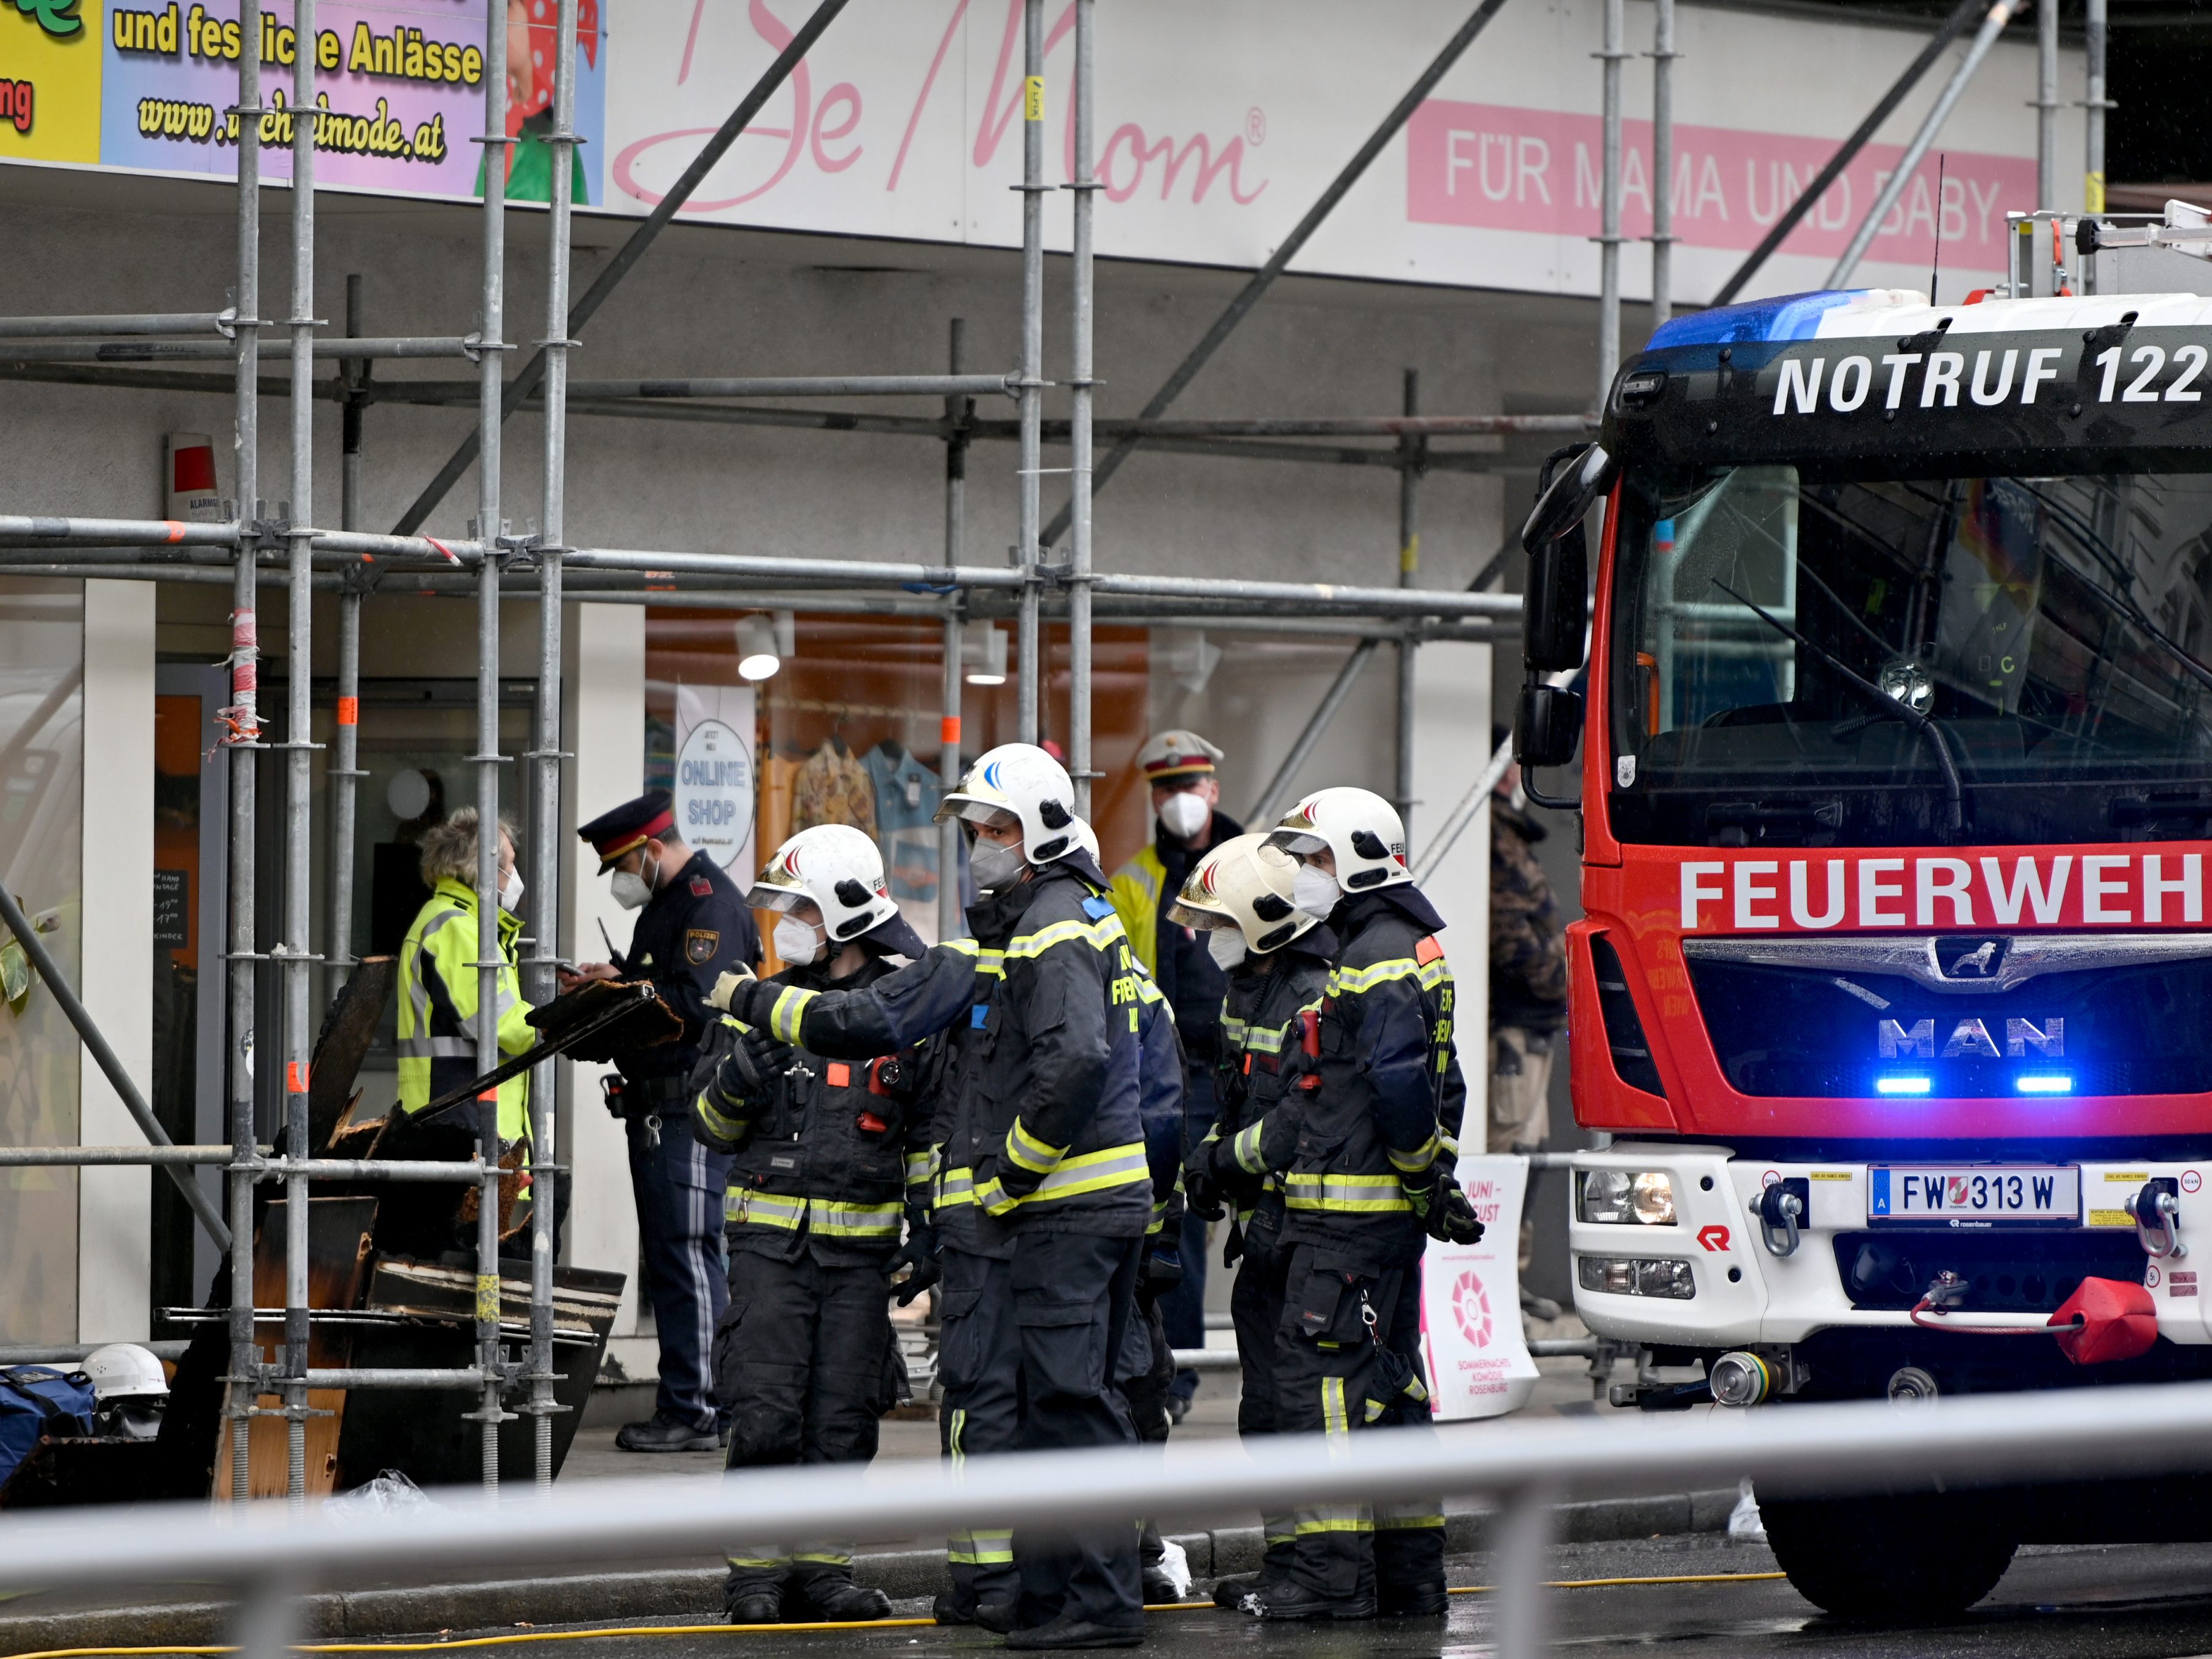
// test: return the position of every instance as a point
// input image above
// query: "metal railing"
(271, 1555)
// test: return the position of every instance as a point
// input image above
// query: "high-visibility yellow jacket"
(1136, 893)
(438, 983)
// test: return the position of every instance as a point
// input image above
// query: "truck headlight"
(1628, 1275)
(1628, 1196)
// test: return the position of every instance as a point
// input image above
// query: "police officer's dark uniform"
(1374, 1141)
(1265, 1073)
(695, 927)
(825, 1155)
(1043, 1197)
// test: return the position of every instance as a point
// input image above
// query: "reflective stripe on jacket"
(438, 988)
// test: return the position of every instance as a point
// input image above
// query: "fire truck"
(1892, 999)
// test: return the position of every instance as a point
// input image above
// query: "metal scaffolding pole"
(951, 922)
(1263, 279)
(1412, 453)
(1077, 578)
(297, 951)
(1999, 15)
(2094, 102)
(540, 983)
(111, 1066)
(1953, 26)
(345, 773)
(1608, 237)
(490, 530)
(2047, 107)
(625, 260)
(243, 728)
(1332, 700)
(1028, 697)
(1662, 161)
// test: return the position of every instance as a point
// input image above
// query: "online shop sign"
(1495, 167)
(398, 91)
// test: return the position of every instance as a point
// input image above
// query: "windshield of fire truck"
(1772, 626)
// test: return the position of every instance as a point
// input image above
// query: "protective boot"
(1228, 1594)
(1066, 1635)
(1425, 1602)
(839, 1600)
(1285, 1600)
(758, 1609)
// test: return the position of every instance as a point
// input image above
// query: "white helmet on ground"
(1362, 831)
(1021, 780)
(839, 869)
(1246, 884)
(123, 1371)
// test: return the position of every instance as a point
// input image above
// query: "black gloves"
(1201, 1192)
(918, 1254)
(1163, 1268)
(1447, 1214)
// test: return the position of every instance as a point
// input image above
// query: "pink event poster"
(399, 92)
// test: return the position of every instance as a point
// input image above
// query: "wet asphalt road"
(2119, 1602)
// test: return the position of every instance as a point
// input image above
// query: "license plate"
(1975, 1196)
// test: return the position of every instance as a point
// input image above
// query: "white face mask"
(510, 894)
(1314, 890)
(797, 942)
(1183, 814)
(1225, 945)
(994, 866)
(632, 891)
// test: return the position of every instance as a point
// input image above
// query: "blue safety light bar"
(2043, 1083)
(1902, 1085)
(1786, 316)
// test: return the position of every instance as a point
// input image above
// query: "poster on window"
(1470, 1337)
(716, 785)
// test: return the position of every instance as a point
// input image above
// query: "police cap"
(629, 826)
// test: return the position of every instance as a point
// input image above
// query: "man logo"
(1971, 1038)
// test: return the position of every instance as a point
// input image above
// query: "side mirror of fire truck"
(1555, 600)
(1547, 726)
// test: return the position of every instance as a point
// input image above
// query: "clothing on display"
(906, 793)
(833, 787)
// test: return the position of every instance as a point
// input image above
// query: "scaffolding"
(255, 547)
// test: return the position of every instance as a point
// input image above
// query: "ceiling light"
(758, 658)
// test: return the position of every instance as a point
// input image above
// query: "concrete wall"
(114, 1211)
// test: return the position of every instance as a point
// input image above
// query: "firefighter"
(1179, 767)
(1366, 1178)
(823, 1154)
(693, 927)
(1277, 957)
(1042, 1194)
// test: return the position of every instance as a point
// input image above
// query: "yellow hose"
(510, 1638)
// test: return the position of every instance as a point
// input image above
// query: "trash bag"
(389, 1493)
(1177, 1565)
(1743, 1520)
(38, 1400)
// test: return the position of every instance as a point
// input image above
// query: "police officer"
(824, 1152)
(1179, 767)
(1043, 1192)
(694, 926)
(1365, 1176)
(1277, 957)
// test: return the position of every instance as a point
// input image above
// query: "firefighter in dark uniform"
(1366, 1179)
(1277, 957)
(824, 1152)
(1042, 1192)
(693, 926)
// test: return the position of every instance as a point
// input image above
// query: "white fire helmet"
(123, 1371)
(1021, 780)
(1087, 838)
(1361, 831)
(1245, 883)
(839, 868)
